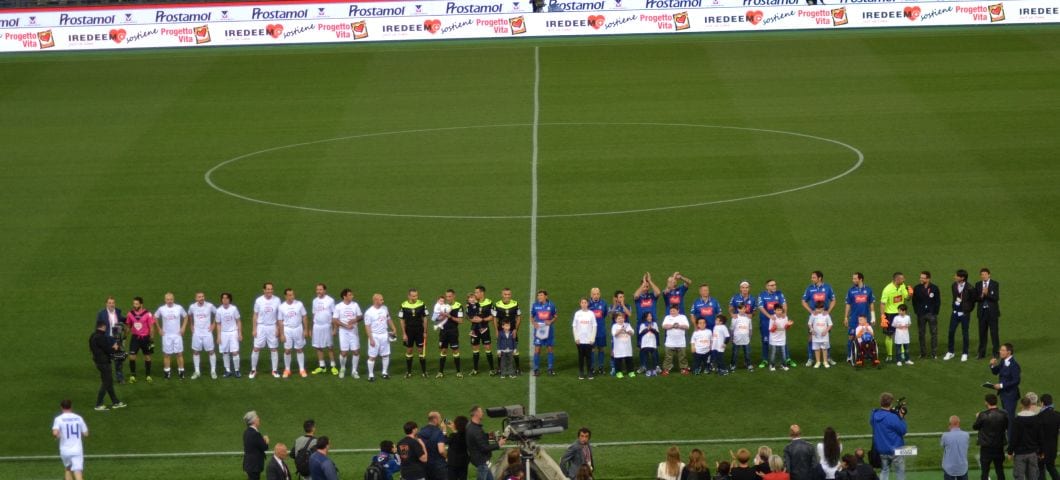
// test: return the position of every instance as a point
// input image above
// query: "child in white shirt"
(778, 339)
(717, 346)
(741, 340)
(675, 325)
(649, 344)
(901, 324)
(622, 347)
(702, 339)
(820, 324)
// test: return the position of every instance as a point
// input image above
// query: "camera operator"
(578, 453)
(888, 432)
(102, 347)
(479, 448)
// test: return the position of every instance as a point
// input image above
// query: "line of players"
(285, 321)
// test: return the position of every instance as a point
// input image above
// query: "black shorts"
(141, 344)
(415, 338)
(480, 337)
(449, 338)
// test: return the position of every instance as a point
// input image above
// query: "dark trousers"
(585, 357)
(624, 365)
(988, 323)
(253, 475)
(1047, 465)
(458, 472)
(699, 362)
(746, 355)
(438, 472)
(961, 321)
(924, 323)
(106, 386)
(993, 456)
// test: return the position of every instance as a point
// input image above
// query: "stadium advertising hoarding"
(89, 29)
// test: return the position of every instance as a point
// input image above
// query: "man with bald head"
(277, 467)
(955, 451)
(800, 457)
(435, 439)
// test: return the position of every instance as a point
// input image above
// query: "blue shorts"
(544, 342)
(601, 341)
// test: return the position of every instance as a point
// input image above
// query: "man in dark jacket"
(963, 305)
(888, 434)
(115, 325)
(799, 456)
(254, 446)
(578, 453)
(479, 448)
(101, 347)
(989, 312)
(1025, 444)
(1050, 423)
(926, 303)
(1008, 382)
(991, 425)
(321, 467)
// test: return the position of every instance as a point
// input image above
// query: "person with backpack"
(385, 464)
(304, 446)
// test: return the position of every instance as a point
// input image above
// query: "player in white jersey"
(323, 329)
(345, 316)
(376, 320)
(264, 329)
(174, 320)
(69, 428)
(295, 325)
(202, 315)
(229, 334)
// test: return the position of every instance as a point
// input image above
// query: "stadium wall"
(293, 22)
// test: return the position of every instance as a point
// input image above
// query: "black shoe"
(181, 374)
(386, 377)
(167, 375)
(371, 379)
(552, 372)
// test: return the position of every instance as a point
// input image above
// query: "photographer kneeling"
(888, 432)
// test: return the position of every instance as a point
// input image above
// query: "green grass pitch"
(104, 157)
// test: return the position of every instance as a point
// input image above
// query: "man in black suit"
(963, 304)
(926, 302)
(115, 325)
(254, 446)
(277, 467)
(799, 456)
(1008, 382)
(1050, 423)
(989, 312)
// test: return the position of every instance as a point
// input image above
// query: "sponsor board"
(280, 24)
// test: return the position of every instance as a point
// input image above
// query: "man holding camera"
(479, 447)
(888, 432)
(102, 347)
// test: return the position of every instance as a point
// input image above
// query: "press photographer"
(888, 434)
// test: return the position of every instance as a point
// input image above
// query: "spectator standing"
(989, 312)
(926, 303)
(1050, 424)
(413, 453)
(799, 456)
(762, 460)
(864, 470)
(743, 469)
(254, 446)
(277, 468)
(888, 434)
(479, 447)
(776, 469)
(991, 425)
(458, 449)
(697, 467)
(578, 454)
(321, 467)
(1025, 442)
(828, 452)
(387, 460)
(722, 471)
(435, 441)
(671, 468)
(304, 446)
(955, 451)
(963, 304)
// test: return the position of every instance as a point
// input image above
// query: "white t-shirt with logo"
(375, 318)
(291, 314)
(741, 330)
(819, 325)
(701, 341)
(171, 316)
(71, 429)
(675, 337)
(266, 308)
(227, 317)
(721, 334)
(323, 310)
(346, 313)
(649, 340)
(901, 326)
(201, 316)
(778, 336)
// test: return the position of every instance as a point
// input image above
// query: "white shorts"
(825, 345)
(73, 463)
(172, 344)
(322, 336)
(349, 340)
(382, 346)
(293, 338)
(229, 342)
(201, 343)
(266, 336)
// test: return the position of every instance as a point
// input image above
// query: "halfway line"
(532, 407)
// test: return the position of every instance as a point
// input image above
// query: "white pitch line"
(532, 407)
(748, 441)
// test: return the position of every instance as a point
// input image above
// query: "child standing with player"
(702, 339)
(719, 338)
(778, 339)
(648, 338)
(820, 325)
(901, 324)
(622, 347)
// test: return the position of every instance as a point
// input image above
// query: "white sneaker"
(355, 376)
(809, 363)
(908, 362)
(817, 365)
(253, 373)
(342, 373)
(772, 368)
(964, 357)
(784, 367)
(830, 362)
(899, 363)
(827, 366)
(948, 356)
(195, 375)
(213, 375)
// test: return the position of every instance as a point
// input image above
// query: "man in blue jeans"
(888, 432)
(955, 451)
(479, 447)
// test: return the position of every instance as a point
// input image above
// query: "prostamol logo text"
(260, 14)
(376, 12)
(162, 17)
(455, 8)
(674, 4)
(66, 19)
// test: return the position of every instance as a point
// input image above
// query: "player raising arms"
(449, 336)
(413, 315)
(507, 311)
(265, 333)
(229, 335)
(376, 320)
(323, 329)
(480, 310)
(174, 322)
(295, 324)
(346, 315)
(141, 325)
(201, 313)
(543, 313)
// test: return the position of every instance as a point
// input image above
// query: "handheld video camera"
(900, 407)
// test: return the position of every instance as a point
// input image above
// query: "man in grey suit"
(578, 453)
(799, 456)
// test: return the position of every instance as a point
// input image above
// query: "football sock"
(456, 360)
(235, 362)
(371, 368)
(356, 360)
(213, 362)
(301, 360)
(551, 360)
(423, 364)
(322, 364)
(132, 367)
(225, 358)
(474, 360)
(195, 362)
(147, 367)
(408, 364)
(275, 360)
(489, 359)
(386, 364)
(441, 364)
(286, 361)
(254, 360)
(537, 361)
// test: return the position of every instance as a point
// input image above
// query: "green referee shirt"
(893, 296)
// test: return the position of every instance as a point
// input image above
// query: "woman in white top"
(671, 468)
(829, 451)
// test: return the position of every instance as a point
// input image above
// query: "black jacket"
(1050, 423)
(967, 297)
(800, 458)
(479, 449)
(926, 300)
(253, 451)
(457, 453)
(275, 472)
(100, 346)
(988, 301)
(991, 424)
(1026, 435)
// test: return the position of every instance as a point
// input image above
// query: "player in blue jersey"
(859, 303)
(599, 308)
(768, 301)
(542, 314)
(744, 303)
(706, 307)
(818, 291)
(674, 294)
